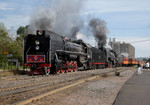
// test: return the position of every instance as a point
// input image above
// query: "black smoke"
(62, 17)
(99, 30)
(43, 19)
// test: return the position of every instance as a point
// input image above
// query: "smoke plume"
(62, 18)
(99, 30)
(74, 32)
(42, 20)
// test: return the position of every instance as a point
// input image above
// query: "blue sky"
(127, 20)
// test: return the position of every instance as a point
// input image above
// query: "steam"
(99, 30)
(43, 19)
(74, 32)
(67, 16)
(63, 18)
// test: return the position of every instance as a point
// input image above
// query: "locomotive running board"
(69, 52)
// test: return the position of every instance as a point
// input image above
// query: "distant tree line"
(10, 43)
(146, 59)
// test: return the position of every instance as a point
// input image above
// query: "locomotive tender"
(47, 52)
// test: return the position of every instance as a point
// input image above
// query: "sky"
(127, 20)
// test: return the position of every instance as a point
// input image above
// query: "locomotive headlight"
(37, 42)
(37, 47)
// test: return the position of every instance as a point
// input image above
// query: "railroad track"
(29, 85)
(21, 78)
(36, 90)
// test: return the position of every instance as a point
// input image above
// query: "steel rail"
(74, 83)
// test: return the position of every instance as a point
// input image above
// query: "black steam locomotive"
(47, 52)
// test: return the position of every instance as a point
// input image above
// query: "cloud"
(5, 6)
(15, 21)
(103, 6)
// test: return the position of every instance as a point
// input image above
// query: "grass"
(12, 73)
(11, 70)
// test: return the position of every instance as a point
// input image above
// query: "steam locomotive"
(47, 52)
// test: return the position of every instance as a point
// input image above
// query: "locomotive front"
(37, 53)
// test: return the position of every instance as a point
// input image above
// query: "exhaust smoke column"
(99, 30)
(44, 19)
(62, 17)
(74, 32)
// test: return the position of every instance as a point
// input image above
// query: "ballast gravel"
(13, 81)
(95, 92)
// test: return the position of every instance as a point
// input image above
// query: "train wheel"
(68, 66)
(66, 71)
(76, 66)
(110, 65)
(58, 72)
(71, 66)
(62, 68)
(62, 71)
(47, 71)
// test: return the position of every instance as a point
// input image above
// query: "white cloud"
(15, 21)
(5, 6)
(103, 6)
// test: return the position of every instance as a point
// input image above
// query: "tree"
(18, 43)
(22, 32)
(5, 41)
(11, 45)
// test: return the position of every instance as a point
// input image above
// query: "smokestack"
(99, 31)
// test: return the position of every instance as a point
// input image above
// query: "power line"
(129, 28)
(140, 41)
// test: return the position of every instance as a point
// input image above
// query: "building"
(123, 48)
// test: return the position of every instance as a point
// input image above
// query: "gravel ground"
(24, 79)
(95, 92)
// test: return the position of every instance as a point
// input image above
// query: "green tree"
(22, 32)
(18, 43)
(5, 41)
(11, 45)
